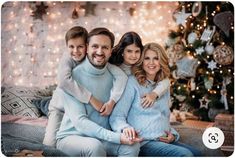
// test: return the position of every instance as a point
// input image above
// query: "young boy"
(76, 39)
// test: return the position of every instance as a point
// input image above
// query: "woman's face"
(151, 64)
(131, 54)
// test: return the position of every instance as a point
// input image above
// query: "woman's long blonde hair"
(140, 74)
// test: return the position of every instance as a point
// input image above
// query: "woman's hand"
(167, 139)
(148, 99)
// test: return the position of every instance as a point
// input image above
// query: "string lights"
(32, 48)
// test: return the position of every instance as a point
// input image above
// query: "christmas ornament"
(212, 65)
(175, 52)
(181, 17)
(224, 21)
(181, 98)
(209, 49)
(192, 37)
(192, 84)
(75, 14)
(197, 7)
(223, 55)
(204, 102)
(89, 8)
(186, 67)
(223, 92)
(132, 11)
(200, 50)
(208, 34)
(208, 82)
(39, 12)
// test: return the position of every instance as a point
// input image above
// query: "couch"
(23, 122)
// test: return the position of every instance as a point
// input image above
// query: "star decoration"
(89, 8)
(186, 67)
(200, 50)
(181, 17)
(212, 65)
(39, 12)
(204, 102)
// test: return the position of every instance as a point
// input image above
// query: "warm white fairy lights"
(32, 48)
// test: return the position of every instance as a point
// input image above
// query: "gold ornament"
(223, 55)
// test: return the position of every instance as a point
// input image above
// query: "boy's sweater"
(68, 84)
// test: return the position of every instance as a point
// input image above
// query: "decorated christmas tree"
(201, 55)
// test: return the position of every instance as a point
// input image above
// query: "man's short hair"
(101, 31)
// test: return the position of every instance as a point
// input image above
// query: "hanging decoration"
(209, 48)
(75, 14)
(212, 65)
(181, 17)
(223, 55)
(208, 82)
(89, 8)
(192, 37)
(175, 53)
(224, 21)
(208, 34)
(40, 11)
(186, 67)
(197, 8)
(204, 102)
(226, 81)
(200, 50)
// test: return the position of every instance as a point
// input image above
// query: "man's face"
(99, 50)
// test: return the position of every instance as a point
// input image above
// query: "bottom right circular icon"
(213, 137)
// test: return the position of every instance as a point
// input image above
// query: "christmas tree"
(201, 58)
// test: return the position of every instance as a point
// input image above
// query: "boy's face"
(77, 48)
(99, 50)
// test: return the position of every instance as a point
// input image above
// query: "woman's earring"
(122, 54)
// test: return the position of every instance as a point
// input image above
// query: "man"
(83, 131)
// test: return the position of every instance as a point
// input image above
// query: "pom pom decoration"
(223, 55)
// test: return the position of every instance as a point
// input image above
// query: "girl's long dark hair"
(126, 40)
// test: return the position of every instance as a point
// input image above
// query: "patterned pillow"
(18, 100)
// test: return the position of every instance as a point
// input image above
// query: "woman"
(126, 54)
(150, 124)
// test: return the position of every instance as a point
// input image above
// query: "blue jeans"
(157, 148)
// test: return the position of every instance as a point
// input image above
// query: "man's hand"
(96, 103)
(107, 108)
(148, 99)
(168, 139)
(127, 141)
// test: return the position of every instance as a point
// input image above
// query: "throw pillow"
(17, 100)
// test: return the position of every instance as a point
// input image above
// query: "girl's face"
(131, 54)
(151, 64)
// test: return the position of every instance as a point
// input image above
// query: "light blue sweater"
(151, 122)
(83, 119)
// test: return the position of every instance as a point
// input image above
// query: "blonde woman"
(152, 123)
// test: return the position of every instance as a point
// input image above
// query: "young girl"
(76, 40)
(126, 54)
(151, 124)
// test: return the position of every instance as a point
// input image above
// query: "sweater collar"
(92, 69)
(126, 68)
